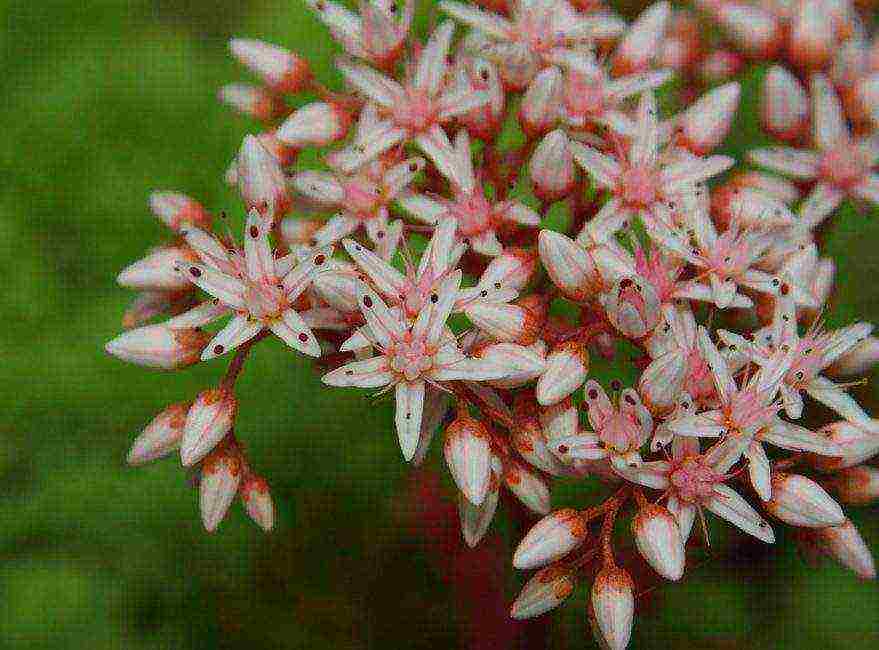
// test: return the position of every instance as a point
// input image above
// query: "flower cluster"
(717, 284)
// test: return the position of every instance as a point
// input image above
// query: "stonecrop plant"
(426, 259)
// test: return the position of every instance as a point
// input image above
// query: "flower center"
(416, 113)
(639, 187)
(693, 480)
(265, 301)
(472, 213)
(620, 432)
(410, 358)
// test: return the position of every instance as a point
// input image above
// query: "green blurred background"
(106, 100)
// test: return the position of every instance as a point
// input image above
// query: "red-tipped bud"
(755, 31)
(209, 420)
(252, 101)
(720, 65)
(612, 607)
(279, 69)
(317, 124)
(159, 346)
(552, 167)
(551, 538)
(640, 42)
(220, 477)
(799, 501)
(845, 545)
(784, 105)
(632, 307)
(157, 270)
(546, 590)
(527, 486)
(569, 265)
(535, 309)
(682, 46)
(857, 361)
(812, 38)
(177, 210)
(258, 503)
(858, 486)
(539, 109)
(261, 180)
(566, 369)
(857, 444)
(659, 541)
(161, 436)
(705, 124)
(467, 450)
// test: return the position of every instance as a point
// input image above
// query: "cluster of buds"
(488, 335)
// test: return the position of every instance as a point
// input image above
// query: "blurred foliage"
(105, 100)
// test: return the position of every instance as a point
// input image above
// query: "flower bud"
(546, 590)
(528, 487)
(261, 180)
(863, 100)
(641, 41)
(157, 270)
(812, 37)
(784, 105)
(535, 308)
(569, 265)
(705, 124)
(539, 109)
(279, 69)
(551, 538)
(856, 442)
(659, 541)
(177, 210)
(220, 476)
(799, 501)
(209, 420)
(857, 486)
(475, 520)
(467, 450)
(777, 187)
(612, 607)
(161, 436)
(252, 101)
(159, 346)
(720, 65)
(566, 369)
(857, 361)
(845, 545)
(317, 124)
(258, 503)
(552, 167)
(632, 307)
(755, 30)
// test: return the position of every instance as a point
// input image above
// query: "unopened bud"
(641, 40)
(280, 69)
(220, 476)
(551, 538)
(612, 607)
(857, 361)
(569, 265)
(856, 442)
(546, 590)
(209, 420)
(552, 167)
(705, 124)
(857, 486)
(845, 545)
(799, 501)
(659, 541)
(720, 65)
(261, 180)
(467, 450)
(252, 101)
(566, 369)
(157, 270)
(177, 210)
(632, 307)
(258, 502)
(539, 109)
(784, 105)
(159, 346)
(317, 124)
(161, 436)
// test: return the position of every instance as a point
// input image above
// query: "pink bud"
(161, 436)
(799, 501)
(527, 486)
(176, 210)
(283, 153)
(659, 541)
(157, 270)
(720, 65)
(858, 486)
(640, 43)
(612, 607)
(845, 545)
(857, 361)
(159, 346)
(857, 444)
(210, 419)
(468, 454)
(252, 101)
(552, 167)
(280, 69)
(546, 590)
(784, 105)
(258, 502)
(566, 369)
(569, 265)
(863, 101)
(261, 180)
(632, 307)
(812, 38)
(539, 109)
(756, 31)
(317, 124)
(551, 538)
(705, 124)
(220, 476)
(475, 520)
